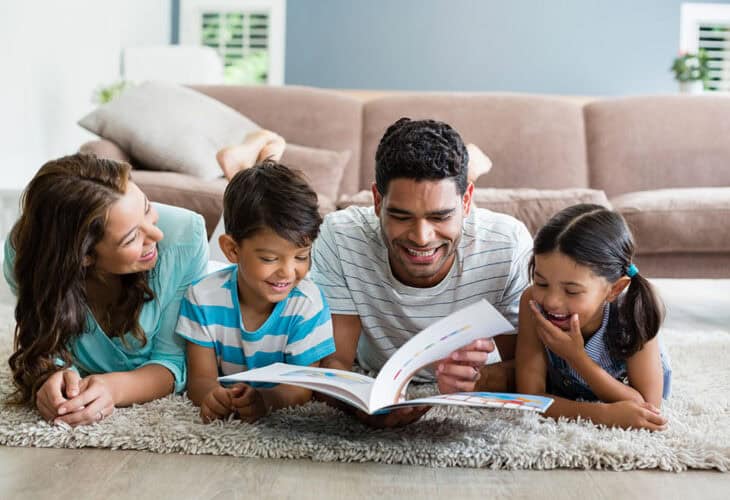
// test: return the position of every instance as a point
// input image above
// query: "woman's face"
(130, 239)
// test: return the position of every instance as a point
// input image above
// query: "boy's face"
(269, 266)
(422, 224)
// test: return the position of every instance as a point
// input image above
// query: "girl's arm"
(646, 374)
(531, 372)
(570, 346)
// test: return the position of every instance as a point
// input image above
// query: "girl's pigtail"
(640, 313)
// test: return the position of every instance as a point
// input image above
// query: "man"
(421, 253)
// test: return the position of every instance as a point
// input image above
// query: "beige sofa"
(662, 161)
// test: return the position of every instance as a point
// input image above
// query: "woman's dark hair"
(421, 150)
(64, 211)
(274, 196)
(599, 238)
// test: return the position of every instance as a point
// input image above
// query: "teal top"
(182, 259)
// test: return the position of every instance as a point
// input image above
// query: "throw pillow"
(323, 168)
(170, 127)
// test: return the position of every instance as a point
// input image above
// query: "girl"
(581, 340)
(99, 273)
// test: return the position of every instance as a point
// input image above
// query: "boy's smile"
(269, 267)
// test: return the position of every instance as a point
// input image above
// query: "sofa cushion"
(169, 127)
(686, 220)
(531, 206)
(322, 168)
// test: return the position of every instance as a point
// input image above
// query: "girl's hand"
(57, 390)
(94, 402)
(568, 345)
(633, 415)
(249, 403)
(218, 403)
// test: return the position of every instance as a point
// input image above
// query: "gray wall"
(580, 47)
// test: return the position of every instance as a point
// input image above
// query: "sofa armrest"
(105, 149)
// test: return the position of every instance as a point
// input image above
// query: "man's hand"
(394, 418)
(461, 370)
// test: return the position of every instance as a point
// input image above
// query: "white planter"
(693, 87)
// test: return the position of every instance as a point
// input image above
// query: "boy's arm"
(202, 372)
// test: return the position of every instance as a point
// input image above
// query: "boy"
(261, 310)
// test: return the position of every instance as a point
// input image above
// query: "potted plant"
(691, 71)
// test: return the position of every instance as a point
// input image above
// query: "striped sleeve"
(311, 337)
(327, 269)
(192, 324)
(518, 280)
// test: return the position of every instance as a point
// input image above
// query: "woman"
(99, 273)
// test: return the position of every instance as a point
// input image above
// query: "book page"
(526, 402)
(350, 387)
(477, 321)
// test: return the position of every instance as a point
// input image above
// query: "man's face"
(421, 224)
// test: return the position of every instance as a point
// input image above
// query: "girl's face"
(563, 288)
(130, 239)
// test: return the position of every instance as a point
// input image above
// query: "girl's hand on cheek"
(568, 345)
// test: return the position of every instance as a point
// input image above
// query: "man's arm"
(346, 331)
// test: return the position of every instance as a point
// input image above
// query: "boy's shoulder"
(305, 299)
(214, 288)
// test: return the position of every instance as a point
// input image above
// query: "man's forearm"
(497, 377)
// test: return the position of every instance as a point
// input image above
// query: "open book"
(371, 395)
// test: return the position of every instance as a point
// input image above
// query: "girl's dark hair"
(274, 196)
(64, 211)
(599, 238)
(421, 150)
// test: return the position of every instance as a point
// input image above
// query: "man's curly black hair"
(421, 150)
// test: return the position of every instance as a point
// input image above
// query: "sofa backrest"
(303, 115)
(533, 141)
(643, 143)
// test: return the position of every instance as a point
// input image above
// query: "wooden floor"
(91, 474)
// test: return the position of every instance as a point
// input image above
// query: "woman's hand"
(57, 390)
(94, 402)
(568, 345)
(634, 415)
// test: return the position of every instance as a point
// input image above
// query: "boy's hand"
(568, 345)
(217, 404)
(461, 370)
(633, 415)
(248, 403)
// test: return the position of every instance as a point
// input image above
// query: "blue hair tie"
(632, 270)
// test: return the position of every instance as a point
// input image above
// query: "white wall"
(53, 55)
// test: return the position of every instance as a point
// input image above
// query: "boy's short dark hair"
(421, 150)
(274, 196)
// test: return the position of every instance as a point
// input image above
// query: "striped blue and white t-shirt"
(350, 264)
(298, 331)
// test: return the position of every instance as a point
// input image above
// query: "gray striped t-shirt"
(350, 264)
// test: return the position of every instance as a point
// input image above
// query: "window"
(248, 35)
(707, 27)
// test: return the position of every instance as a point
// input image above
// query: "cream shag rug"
(698, 436)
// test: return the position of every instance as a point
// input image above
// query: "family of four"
(114, 306)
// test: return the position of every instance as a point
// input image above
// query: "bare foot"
(479, 163)
(273, 150)
(233, 159)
